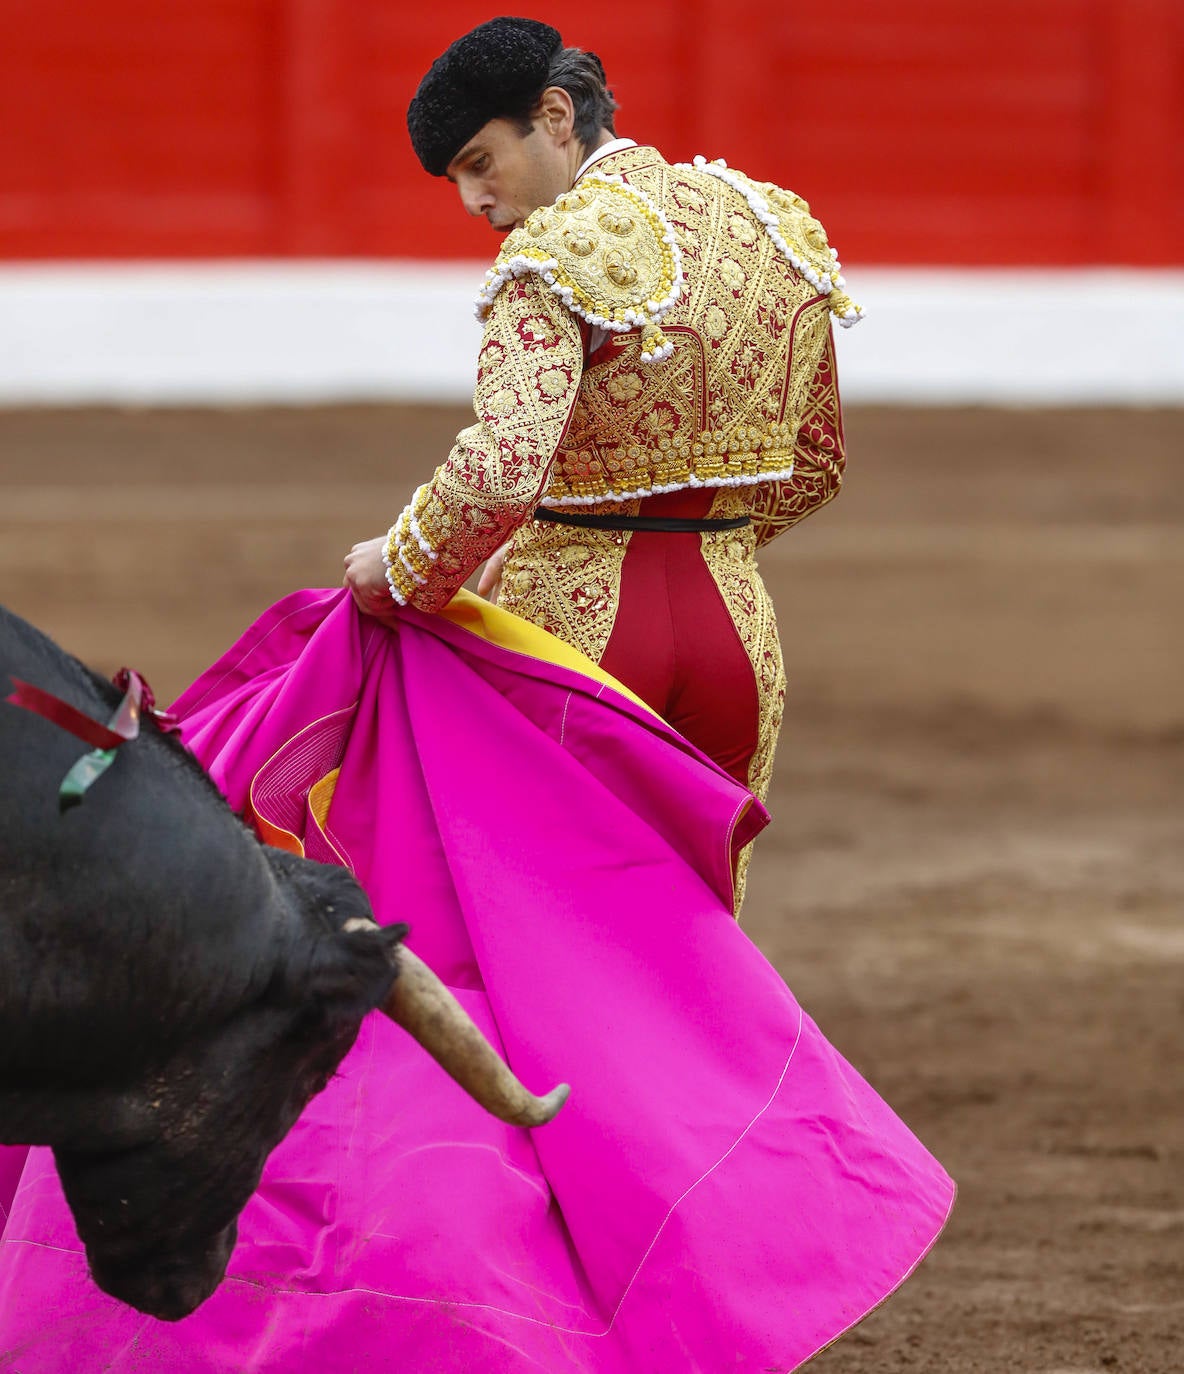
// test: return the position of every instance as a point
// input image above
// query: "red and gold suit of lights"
(657, 342)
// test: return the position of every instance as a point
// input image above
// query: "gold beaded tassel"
(843, 307)
(654, 344)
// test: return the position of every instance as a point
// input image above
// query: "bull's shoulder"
(30, 654)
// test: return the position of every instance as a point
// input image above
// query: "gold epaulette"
(609, 254)
(796, 234)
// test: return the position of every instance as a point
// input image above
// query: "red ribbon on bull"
(123, 726)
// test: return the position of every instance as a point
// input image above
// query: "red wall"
(1019, 131)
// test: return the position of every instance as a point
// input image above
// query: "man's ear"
(556, 113)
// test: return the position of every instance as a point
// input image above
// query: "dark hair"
(581, 75)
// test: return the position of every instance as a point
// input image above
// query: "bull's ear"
(370, 935)
(390, 936)
(355, 967)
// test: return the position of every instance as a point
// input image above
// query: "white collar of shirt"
(606, 151)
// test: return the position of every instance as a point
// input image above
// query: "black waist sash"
(665, 524)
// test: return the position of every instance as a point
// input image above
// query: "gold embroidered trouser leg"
(731, 559)
(732, 565)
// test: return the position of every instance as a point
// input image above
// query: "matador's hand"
(491, 575)
(365, 576)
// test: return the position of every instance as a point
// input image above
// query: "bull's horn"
(420, 1003)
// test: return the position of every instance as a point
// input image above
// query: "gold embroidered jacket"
(658, 327)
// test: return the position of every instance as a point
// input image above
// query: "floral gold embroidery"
(534, 331)
(574, 555)
(733, 274)
(689, 198)
(554, 383)
(625, 387)
(501, 402)
(715, 322)
(742, 230)
(659, 422)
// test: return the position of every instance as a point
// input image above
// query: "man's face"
(504, 176)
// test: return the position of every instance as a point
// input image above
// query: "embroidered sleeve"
(818, 458)
(528, 377)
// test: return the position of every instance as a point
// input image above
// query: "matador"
(656, 395)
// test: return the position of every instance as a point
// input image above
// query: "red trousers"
(673, 641)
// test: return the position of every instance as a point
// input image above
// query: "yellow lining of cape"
(320, 795)
(508, 631)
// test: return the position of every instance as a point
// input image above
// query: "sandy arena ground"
(975, 875)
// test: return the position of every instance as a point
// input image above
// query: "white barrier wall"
(309, 332)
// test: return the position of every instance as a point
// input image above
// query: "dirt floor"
(975, 875)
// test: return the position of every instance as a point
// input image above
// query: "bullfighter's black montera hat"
(497, 70)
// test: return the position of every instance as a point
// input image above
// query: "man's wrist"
(393, 565)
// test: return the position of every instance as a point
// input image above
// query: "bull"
(173, 992)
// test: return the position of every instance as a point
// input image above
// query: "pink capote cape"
(722, 1192)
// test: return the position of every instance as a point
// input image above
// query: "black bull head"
(172, 993)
